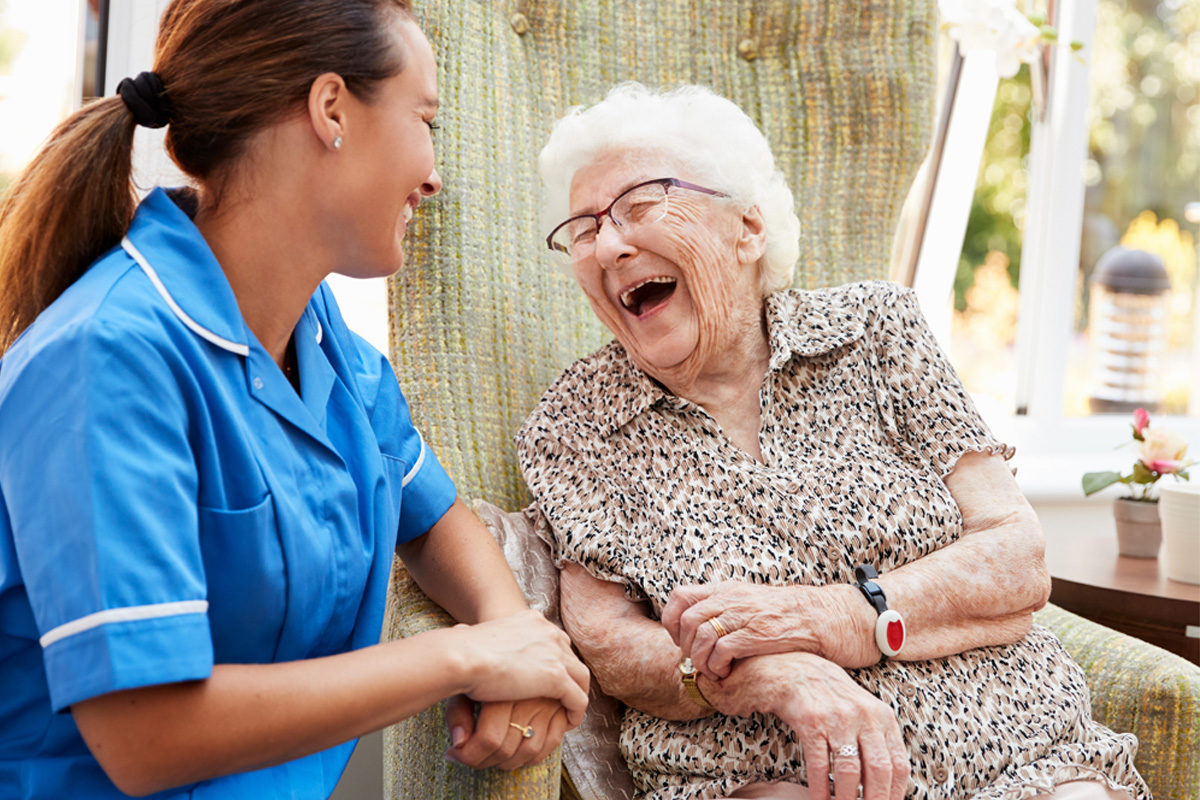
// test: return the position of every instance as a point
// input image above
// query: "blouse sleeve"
(925, 408)
(100, 485)
(585, 527)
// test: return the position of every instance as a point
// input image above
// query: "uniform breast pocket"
(247, 586)
(394, 472)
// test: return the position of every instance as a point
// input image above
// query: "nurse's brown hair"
(229, 68)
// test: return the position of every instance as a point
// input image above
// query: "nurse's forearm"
(246, 717)
(249, 716)
(473, 589)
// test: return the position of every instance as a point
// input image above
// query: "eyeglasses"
(640, 204)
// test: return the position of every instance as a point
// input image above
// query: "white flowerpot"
(1139, 533)
(1180, 513)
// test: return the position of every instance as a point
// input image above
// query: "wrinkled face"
(386, 165)
(666, 290)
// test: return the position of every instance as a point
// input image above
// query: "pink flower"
(1163, 447)
(1141, 421)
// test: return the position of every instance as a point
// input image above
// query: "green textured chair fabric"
(483, 320)
(1142, 689)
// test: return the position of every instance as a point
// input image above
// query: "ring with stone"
(526, 730)
(847, 751)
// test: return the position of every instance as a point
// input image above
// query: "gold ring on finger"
(526, 730)
(718, 627)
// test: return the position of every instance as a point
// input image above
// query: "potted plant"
(1139, 532)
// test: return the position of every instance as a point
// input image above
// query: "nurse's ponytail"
(72, 203)
(223, 71)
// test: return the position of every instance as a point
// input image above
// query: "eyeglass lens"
(641, 205)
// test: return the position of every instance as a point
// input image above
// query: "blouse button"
(940, 774)
(520, 23)
(908, 690)
(258, 382)
(747, 49)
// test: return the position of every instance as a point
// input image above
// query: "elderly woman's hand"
(829, 713)
(717, 623)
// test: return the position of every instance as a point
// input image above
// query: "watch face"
(687, 667)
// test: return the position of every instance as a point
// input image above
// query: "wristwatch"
(890, 631)
(687, 676)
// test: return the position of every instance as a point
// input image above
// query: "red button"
(895, 634)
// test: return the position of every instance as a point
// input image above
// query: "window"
(1121, 119)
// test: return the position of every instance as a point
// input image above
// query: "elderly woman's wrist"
(848, 637)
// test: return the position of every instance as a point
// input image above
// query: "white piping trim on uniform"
(127, 614)
(412, 473)
(197, 328)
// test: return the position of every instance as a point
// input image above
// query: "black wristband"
(890, 630)
(865, 575)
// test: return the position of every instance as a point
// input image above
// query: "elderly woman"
(788, 542)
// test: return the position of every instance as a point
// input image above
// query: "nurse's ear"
(327, 106)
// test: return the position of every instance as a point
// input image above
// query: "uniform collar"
(799, 324)
(169, 248)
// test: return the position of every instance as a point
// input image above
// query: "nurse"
(204, 474)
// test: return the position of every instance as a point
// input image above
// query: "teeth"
(408, 213)
(627, 295)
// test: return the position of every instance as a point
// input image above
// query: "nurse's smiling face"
(385, 166)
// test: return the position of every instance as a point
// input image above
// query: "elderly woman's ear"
(752, 242)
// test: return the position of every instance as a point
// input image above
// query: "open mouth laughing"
(647, 295)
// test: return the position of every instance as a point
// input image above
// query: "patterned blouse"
(862, 418)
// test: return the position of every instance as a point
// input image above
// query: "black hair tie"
(147, 99)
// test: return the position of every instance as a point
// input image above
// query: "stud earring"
(337, 143)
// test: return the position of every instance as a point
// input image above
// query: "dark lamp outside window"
(1127, 320)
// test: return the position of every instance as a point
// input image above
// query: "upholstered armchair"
(482, 318)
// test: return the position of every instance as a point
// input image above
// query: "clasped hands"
(777, 650)
(500, 720)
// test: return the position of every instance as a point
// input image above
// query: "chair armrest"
(1141, 689)
(414, 762)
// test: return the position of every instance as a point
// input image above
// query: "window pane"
(984, 324)
(1135, 316)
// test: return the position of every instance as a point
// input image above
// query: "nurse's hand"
(521, 657)
(495, 738)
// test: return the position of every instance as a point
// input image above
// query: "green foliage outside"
(997, 219)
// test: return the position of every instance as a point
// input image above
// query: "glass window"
(1135, 310)
(984, 323)
(1133, 343)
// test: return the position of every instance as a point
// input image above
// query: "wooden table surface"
(1132, 595)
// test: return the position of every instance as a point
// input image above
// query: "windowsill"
(1053, 455)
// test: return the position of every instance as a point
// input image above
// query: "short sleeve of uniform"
(100, 485)
(925, 408)
(426, 490)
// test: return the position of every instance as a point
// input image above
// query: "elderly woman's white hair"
(709, 134)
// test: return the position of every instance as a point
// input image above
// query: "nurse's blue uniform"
(168, 502)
